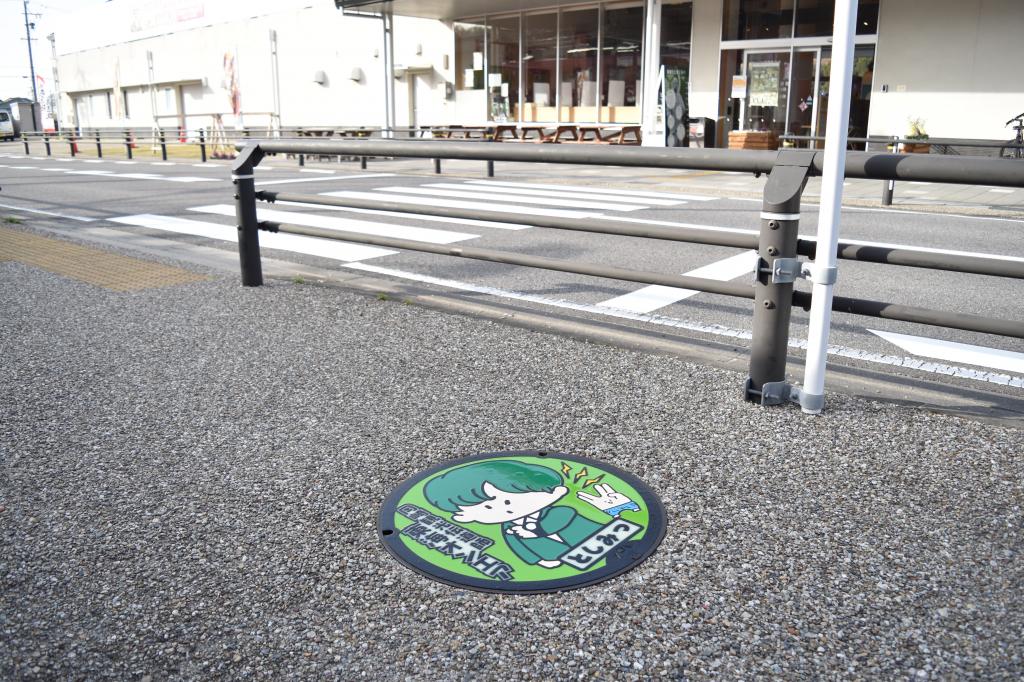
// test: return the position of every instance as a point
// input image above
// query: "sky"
(14, 69)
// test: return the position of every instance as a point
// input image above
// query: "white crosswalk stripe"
(412, 216)
(652, 298)
(324, 248)
(185, 179)
(611, 197)
(455, 203)
(960, 353)
(420, 234)
(533, 200)
(261, 183)
(595, 190)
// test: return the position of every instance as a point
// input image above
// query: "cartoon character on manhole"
(523, 522)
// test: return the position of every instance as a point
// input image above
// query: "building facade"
(732, 64)
(258, 64)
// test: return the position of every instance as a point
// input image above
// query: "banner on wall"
(764, 84)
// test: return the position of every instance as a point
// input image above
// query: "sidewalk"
(191, 473)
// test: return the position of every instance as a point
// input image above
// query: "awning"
(447, 10)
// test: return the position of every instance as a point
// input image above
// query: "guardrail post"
(202, 144)
(163, 145)
(490, 168)
(46, 143)
(245, 212)
(889, 186)
(99, 146)
(437, 166)
(24, 138)
(887, 190)
(362, 162)
(773, 295)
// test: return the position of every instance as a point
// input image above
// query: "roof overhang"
(447, 10)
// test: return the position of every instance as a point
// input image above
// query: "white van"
(6, 125)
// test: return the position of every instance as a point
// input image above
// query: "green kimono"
(563, 521)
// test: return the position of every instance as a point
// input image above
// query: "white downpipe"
(837, 125)
(388, 23)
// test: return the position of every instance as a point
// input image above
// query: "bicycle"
(1015, 148)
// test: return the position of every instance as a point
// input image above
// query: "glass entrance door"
(860, 94)
(804, 90)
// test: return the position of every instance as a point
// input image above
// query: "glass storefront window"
(469, 57)
(814, 18)
(757, 19)
(621, 63)
(867, 17)
(578, 89)
(503, 69)
(540, 65)
(765, 19)
(676, 30)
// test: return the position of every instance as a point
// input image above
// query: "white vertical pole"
(812, 397)
(58, 119)
(275, 84)
(652, 136)
(388, 23)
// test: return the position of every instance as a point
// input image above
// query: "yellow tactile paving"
(100, 268)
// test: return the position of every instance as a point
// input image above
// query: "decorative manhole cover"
(522, 522)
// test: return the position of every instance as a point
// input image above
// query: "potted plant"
(916, 132)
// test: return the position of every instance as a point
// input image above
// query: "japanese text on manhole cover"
(522, 522)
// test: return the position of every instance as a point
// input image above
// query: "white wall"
(957, 64)
(191, 62)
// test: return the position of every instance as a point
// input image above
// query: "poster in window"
(764, 84)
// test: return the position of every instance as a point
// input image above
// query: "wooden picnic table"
(601, 134)
(595, 133)
(461, 132)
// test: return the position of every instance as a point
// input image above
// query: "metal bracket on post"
(773, 295)
(245, 212)
(781, 392)
(788, 270)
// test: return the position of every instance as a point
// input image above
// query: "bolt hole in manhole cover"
(522, 522)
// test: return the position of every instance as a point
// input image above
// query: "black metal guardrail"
(208, 143)
(778, 244)
(944, 145)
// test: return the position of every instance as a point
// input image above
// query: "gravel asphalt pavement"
(190, 477)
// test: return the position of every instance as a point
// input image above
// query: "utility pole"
(56, 81)
(31, 63)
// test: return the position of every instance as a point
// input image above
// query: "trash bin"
(702, 132)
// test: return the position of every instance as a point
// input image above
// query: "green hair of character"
(464, 487)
